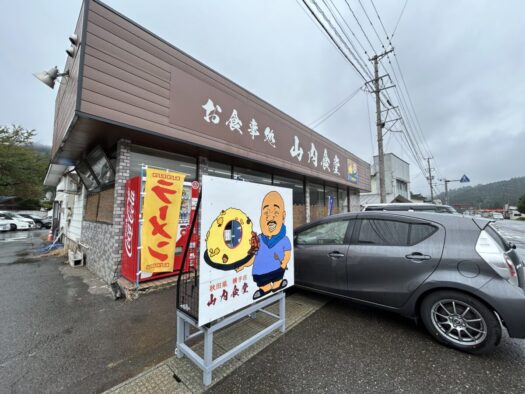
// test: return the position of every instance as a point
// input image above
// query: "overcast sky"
(462, 62)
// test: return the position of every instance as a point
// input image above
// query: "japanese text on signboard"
(160, 214)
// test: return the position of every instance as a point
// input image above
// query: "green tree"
(521, 204)
(22, 168)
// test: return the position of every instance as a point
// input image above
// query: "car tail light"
(496, 257)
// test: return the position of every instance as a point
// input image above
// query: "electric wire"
(398, 20)
(360, 27)
(331, 37)
(413, 135)
(333, 110)
(381, 22)
(356, 52)
(349, 28)
(371, 24)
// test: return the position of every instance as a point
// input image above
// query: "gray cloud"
(461, 60)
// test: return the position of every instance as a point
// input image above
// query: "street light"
(49, 77)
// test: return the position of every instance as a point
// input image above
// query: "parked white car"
(17, 222)
(4, 225)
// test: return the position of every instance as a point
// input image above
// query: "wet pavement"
(513, 231)
(61, 330)
(350, 348)
(15, 245)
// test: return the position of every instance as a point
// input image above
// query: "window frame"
(390, 219)
(355, 236)
(346, 239)
(436, 229)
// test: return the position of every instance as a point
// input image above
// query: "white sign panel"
(246, 243)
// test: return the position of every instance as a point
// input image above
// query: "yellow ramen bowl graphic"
(228, 240)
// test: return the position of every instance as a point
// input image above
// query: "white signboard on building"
(246, 251)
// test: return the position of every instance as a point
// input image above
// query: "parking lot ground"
(345, 347)
(182, 376)
(62, 332)
(513, 231)
(16, 245)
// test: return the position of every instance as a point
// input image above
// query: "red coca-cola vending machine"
(132, 228)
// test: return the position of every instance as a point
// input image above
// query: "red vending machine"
(132, 228)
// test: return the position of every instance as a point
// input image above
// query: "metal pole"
(446, 191)
(379, 126)
(430, 180)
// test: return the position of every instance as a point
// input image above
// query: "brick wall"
(103, 241)
(98, 248)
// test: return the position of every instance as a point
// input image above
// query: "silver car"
(457, 275)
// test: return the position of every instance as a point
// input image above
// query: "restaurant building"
(132, 99)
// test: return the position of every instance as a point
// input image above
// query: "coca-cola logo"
(128, 222)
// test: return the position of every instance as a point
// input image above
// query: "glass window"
(342, 199)
(420, 232)
(162, 159)
(402, 188)
(316, 194)
(86, 176)
(331, 233)
(219, 170)
(248, 175)
(101, 167)
(295, 184)
(331, 192)
(383, 232)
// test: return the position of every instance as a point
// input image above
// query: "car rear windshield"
(494, 233)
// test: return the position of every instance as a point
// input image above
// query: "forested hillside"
(491, 195)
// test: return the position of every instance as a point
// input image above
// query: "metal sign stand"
(208, 364)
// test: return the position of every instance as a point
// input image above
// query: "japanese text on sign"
(160, 214)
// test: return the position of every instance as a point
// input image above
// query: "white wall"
(72, 207)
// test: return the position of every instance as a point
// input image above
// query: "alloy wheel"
(459, 322)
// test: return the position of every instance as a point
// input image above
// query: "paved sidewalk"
(182, 376)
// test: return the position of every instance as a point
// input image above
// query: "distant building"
(417, 197)
(397, 181)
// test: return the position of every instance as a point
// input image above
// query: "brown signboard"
(226, 115)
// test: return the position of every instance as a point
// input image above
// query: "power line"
(399, 19)
(360, 27)
(348, 26)
(371, 24)
(331, 37)
(356, 55)
(380, 21)
(332, 111)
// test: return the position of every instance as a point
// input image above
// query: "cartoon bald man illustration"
(272, 247)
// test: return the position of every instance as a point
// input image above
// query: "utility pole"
(379, 123)
(430, 180)
(446, 191)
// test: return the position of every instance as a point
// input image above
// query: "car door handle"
(336, 255)
(417, 257)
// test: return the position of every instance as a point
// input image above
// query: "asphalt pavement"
(349, 348)
(513, 231)
(62, 332)
(15, 245)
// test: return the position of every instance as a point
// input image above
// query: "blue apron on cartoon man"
(272, 247)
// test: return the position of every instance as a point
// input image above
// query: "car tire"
(38, 225)
(460, 321)
(13, 226)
